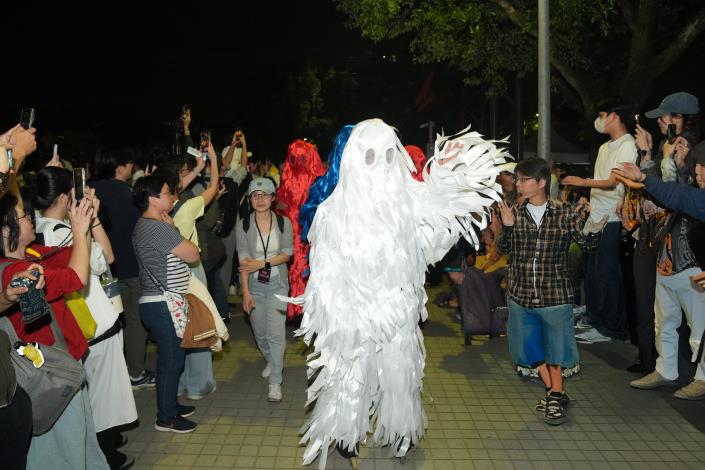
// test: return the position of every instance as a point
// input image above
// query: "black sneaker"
(555, 413)
(178, 425)
(184, 410)
(564, 400)
(145, 380)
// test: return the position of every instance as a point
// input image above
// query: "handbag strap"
(151, 276)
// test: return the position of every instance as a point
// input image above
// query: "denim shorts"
(542, 335)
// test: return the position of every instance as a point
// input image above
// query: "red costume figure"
(419, 159)
(303, 165)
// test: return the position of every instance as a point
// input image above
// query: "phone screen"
(27, 118)
(205, 140)
(79, 183)
(672, 133)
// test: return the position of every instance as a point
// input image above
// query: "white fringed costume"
(371, 241)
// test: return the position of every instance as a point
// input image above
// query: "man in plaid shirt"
(536, 235)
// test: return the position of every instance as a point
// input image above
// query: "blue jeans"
(542, 335)
(170, 356)
(268, 320)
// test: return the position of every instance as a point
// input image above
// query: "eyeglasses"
(260, 196)
(522, 179)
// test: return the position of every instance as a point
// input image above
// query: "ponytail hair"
(49, 183)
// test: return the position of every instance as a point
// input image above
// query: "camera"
(32, 303)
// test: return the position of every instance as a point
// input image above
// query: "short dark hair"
(146, 187)
(108, 158)
(536, 168)
(621, 108)
(170, 170)
(8, 218)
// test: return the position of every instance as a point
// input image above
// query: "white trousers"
(674, 293)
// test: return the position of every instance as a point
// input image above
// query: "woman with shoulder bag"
(15, 405)
(163, 256)
(264, 245)
(71, 443)
(110, 391)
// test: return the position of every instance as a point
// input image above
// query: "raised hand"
(505, 212)
(81, 215)
(643, 138)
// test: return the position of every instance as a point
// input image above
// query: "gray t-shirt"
(153, 241)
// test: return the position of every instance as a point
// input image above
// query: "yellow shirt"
(185, 218)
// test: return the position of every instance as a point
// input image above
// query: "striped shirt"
(153, 241)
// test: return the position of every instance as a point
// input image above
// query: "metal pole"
(543, 148)
(519, 121)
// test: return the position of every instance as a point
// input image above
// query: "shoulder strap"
(176, 208)
(246, 223)
(5, 323)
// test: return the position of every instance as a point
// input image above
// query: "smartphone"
(636, 119)
(205, 140)
(56, 151)
(185, 110)
(672, 133)
(27, 118)
(79, 183)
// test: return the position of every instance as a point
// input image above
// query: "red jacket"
(60, 280)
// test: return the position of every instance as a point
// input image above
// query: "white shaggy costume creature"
(371, 241)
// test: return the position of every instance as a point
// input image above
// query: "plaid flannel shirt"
(537, 274)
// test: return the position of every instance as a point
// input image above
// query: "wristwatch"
(643, 152)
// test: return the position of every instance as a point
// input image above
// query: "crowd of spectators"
(154, 225)
(628, 267)
(616, 256)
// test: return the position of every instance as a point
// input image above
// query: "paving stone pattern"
(480, 414)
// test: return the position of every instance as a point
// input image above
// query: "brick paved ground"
(480, 415)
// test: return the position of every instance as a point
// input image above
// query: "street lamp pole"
(543, 147)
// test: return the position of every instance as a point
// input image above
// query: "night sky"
(121, 73)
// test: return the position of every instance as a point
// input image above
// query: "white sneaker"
(592, 336)
(583, 325)
(266, 371)
(275, 393)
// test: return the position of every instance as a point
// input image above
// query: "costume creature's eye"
(370, 156)
(390, 155)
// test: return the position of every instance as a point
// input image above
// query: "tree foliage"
(598, 47)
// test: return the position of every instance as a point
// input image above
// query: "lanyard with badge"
(263, 274)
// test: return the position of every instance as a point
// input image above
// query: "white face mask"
(599, 125)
